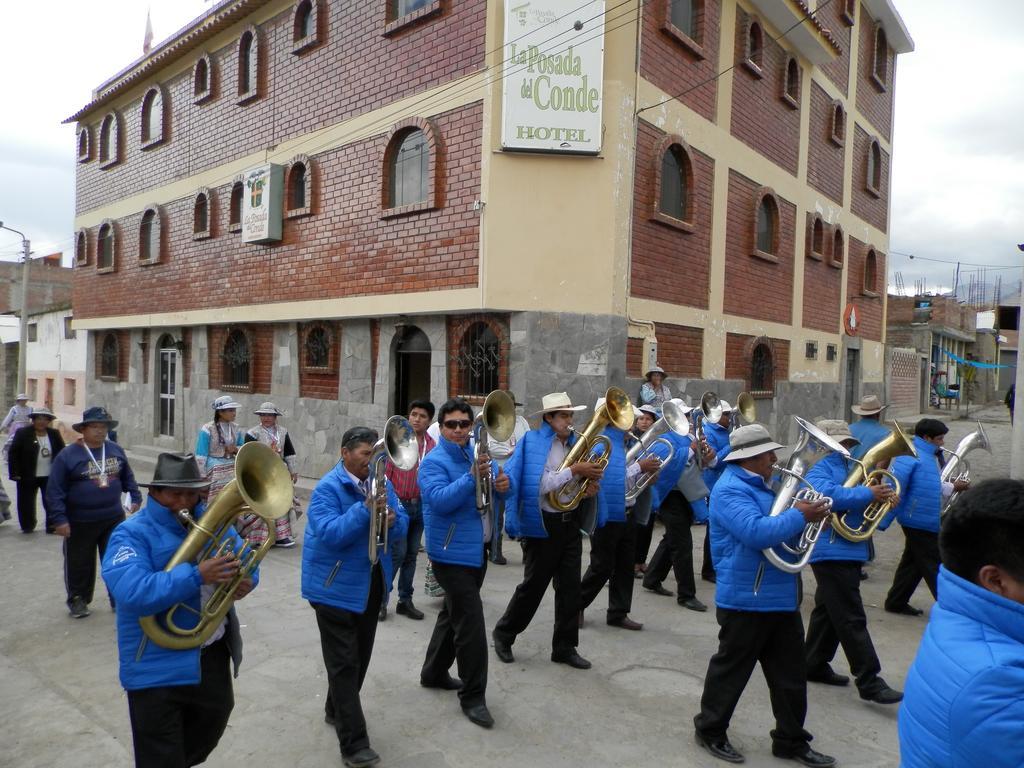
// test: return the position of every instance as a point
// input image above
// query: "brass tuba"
(263, 485)
(672, 420)
(710, 410)
(497, 419)
(957, 467)
(399, 446)
(617, 410)
(896, 444)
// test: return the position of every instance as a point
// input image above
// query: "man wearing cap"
(757, 604)
(29, 460)
(921, 499)
(276, 437)
(179, 701)
(868, 430)
(345, 588)
(501, 451)
(83, 498)
(838, 617)
(552, 543)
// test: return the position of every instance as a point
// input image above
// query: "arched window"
(674, 195)
(873, 180)
(479, 360)
(682, 14)
(152, 132)
(305, 24)
(81, 248)
(237, 358)
(316, 349)
(202, 80)
(248, 66)
(880, 71)
(408, 174)
(838, 129)
(762, 369)
(791, 90)
(817, 236)
(838, 248)
(110, 140)
(767, 230)
(755, 46)
(84, 144)
(149, 236)
(235, 213)
(870, 273)
(110, 354)
(298, 187)
(201, 215)
(105, 242)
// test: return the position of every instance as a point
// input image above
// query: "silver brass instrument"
(262, 485)
(812, 445)
(617, 410)
(957, 467)
(672, 420)
(399, 446)
(497, 419)
(710, 410)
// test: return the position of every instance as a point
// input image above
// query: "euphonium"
(957, 467)
(710, 410)
(617, 410)
(672, 420)
(497, 419)
(896, 444)
(262, 484)
(812, 445)
(399, 446)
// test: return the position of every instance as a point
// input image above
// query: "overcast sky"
(958, 174)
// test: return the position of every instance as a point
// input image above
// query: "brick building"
(736, 210)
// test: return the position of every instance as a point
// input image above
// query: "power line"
(915, 257)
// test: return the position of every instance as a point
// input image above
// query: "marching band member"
(838, 616)
(868, 429)
(645, 416)
(458, 535)
(613, 545)
(759, 619)
(344, 588)
(717, 439)
(551, 539)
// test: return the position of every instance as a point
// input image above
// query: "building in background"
(55, 365)
(342, 206)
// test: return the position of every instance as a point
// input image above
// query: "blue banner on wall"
(974, 363)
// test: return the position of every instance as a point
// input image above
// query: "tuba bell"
(957, 467)
(497, 419)
(263, 485)
(399, 446)
(745, 411)
(672, 420)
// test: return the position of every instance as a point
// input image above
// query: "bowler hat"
(176, 470)
(95, 415)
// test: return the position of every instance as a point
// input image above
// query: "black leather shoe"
(449, 683)
(500, 560)
(721, 749)
(571, 658)
(693, 604)
(406, 608)
(659, 590)
(626, 623)
(362, 758)
(382, 616)
(827, 676)
(905, 610)
(884, 695)
(502, 649)
(807, 756)
(479, 715)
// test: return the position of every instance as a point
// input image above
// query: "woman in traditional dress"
(217, 444)
(270, 433)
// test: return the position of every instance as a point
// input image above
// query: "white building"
(55, 364)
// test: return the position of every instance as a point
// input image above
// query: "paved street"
(61, 704)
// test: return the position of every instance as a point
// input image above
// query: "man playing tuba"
(179, 700)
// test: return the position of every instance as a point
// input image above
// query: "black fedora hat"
(176, 470)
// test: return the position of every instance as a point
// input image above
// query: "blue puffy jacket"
(669, 475)
(336, 567)
(611, 497)
(454, 529)
(133, 568)
(962, 705)
(870, 432)
(718, 438)
(827, 477)
(920, 488)
(740, 529)
(525, 469)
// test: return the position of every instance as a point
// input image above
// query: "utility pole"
(23, 313)
(1017, 434)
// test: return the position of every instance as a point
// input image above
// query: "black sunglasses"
(457, 424)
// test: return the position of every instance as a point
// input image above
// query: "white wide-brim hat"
(869, 406)
(749, 441)
(225, 403)
(268, 409)
(557, 401)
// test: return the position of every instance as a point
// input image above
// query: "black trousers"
(554, 559)
(920, 560)
(80, 550)
(675, 550)
(28, 488)
(460, 634)
(180, 725)
(644, 534)
(612, 557)
(747, 637)
(346, 640)
(838, 618)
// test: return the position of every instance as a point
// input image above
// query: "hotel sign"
(262, 198)
(553, 76)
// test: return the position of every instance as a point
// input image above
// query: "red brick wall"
(457, 327)
(900, 310)
(669, 264)
(838, 70)
(754, 287)
(321, 384)
(738, 349)
(822, 286)
(825, 159)
(343, 249)
(760, 118)
(680, 352)
(676, 67)
(874, 104)
(869, 308)
(354, 70)
(874, 210)
(261, 355)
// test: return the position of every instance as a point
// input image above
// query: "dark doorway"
(412, 368)
(852, 376)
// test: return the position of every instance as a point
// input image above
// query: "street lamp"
(23, 314)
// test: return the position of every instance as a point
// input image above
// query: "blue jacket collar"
(167, 518)
(548, 434)
(343, 476)
(454, 450)
(924, 448)
(979, 604)
(755, 481)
